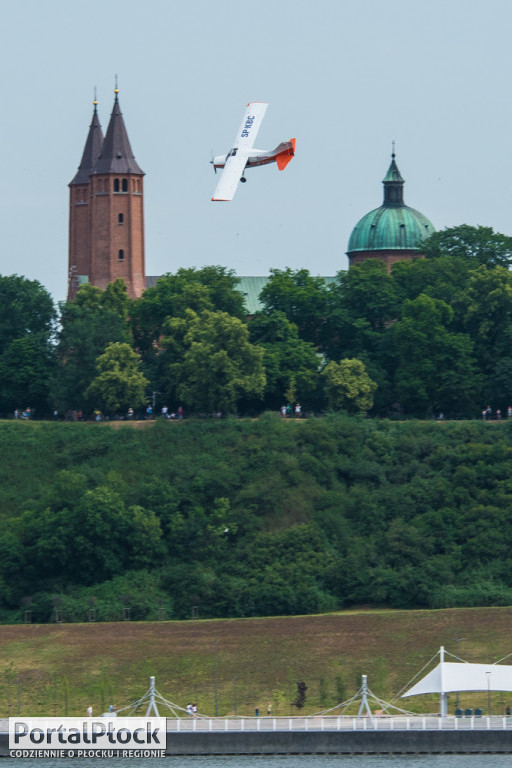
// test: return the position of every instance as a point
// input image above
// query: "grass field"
(61, 669)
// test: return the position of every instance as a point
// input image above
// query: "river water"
(289, 761)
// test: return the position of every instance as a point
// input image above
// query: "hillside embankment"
(243, 663)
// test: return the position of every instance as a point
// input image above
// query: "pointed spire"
(393, 184)
(92, 148)
(116, 155)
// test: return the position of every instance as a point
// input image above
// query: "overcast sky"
(345, 77)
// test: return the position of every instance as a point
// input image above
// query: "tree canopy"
(434, 336)
(301, 297)
(27, 326)
(480, 246)
(291, 363)
(218, 365)
(254, 517)
(119, 384)
(89, 324)
(348, 387)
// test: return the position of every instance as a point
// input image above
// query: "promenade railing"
(341, 723)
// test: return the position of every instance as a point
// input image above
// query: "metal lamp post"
(458, 640)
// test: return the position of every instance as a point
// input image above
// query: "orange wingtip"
(220, 199)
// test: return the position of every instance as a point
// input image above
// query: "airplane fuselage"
(259, 156)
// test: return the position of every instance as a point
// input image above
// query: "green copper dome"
(393, 226)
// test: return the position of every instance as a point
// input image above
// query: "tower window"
(120, 218)
(125, 185)
(120, 255)
(116, 185)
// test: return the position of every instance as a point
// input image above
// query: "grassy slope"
(64, 668)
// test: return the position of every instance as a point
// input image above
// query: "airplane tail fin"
(286, 154)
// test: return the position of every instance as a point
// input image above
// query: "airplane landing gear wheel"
(243, 180)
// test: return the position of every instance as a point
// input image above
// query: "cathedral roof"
(388, 229)
(393, 226)
(249, 286)
(116, 155)
(92, 149)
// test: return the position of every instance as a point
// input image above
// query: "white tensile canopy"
(451, 676)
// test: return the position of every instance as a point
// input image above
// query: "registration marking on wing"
(250, 125)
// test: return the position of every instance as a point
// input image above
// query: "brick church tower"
(106, 214)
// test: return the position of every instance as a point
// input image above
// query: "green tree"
(362, 306)
(436, 370)
(210, 288)
(444, 277)
(27, 319)
(299, 296)
(115, 298)
(290, 362)
(119, 383)
(477, 245)
(488, 316)
(93, 539)
(498, 388)
(26, 309)
(222, 287)
(365, 292)
(212, 363)
(466, 268)
(91, 322)
(341, 689)
(347, 386)
(26, 370)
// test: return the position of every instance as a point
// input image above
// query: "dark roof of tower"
(393, 173)
(92, 149)
(116, 155)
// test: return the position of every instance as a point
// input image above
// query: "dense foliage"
(251, 518)
(241, 518)
(27, 356)
(432, 338)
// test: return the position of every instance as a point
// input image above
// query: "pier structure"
(331, 735)
(386, 730)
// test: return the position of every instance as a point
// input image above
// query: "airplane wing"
(230, 176)
(252, 119)
(243, 143)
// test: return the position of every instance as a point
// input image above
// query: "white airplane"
(243, 156)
